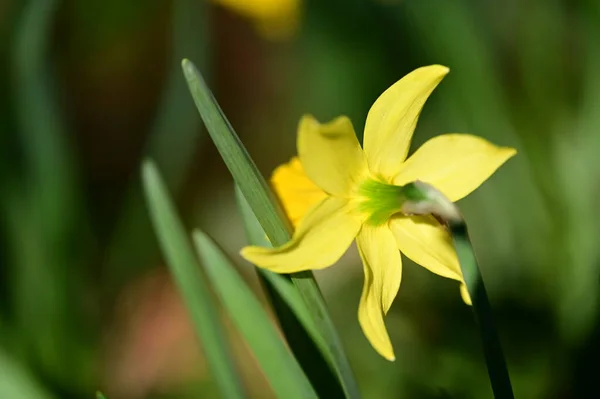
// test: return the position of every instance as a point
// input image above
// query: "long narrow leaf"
(236, 158)
(43, 209)
(275, 225)
(281, 368)
(171, 143)
(17, 383)
(256, 236)
(190, 281)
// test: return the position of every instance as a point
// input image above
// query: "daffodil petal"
(322, 237)
(261, 10)
(295, 190)
(331, 155)
(455, 164)
(392, 119)
(276, 20)
(426, 242)
(383, 272)
(464, 293)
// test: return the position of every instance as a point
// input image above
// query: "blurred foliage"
(90, 88)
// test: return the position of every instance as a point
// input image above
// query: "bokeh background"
(88, 89)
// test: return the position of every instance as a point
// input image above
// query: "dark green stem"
(492, 350)
(422, 199)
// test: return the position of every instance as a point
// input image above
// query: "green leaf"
(17, 383)
(282, 288)
(171, 143)
(278, 364)
(42, 209)
(256, 236)
(100, 395)
(42, 128)
(190, 281)
(271, 217)
(236, 158)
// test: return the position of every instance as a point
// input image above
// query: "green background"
(88, 89)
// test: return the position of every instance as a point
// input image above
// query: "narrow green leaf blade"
(191, 283)
(43, 207)
(171, 144)
(277, 228)
(256, 236)
(278, 364)
(236, 158)
(16, 382)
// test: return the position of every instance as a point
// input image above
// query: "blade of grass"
(256, 236)
(275, 225)
(190, 281)
(172, 142)
(16, 382)
(576, 155)
(40, 119)
(281, 368)
(236, 158)
(424, 199)
(43, 211)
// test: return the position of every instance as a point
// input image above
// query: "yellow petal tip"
(442, 70)
(509, 151)
(387, 353)
(464, 293)
(247, 252)
(308, 118)
(433, 70)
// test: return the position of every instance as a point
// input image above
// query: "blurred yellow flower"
(336, 192)
(274, 19)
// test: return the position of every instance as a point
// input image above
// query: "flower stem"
(422, 198)
(492, 350)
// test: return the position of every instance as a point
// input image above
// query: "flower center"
(379, 200)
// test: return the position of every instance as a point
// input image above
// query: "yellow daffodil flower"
(274, 19)
(336, 192)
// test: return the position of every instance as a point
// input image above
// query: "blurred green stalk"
(425, 199)
(256, 236)
(16, 382)
(492, 349)
(43, 212)
(279, 366)
(275, 225)
(190, 281)
(172, 142)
